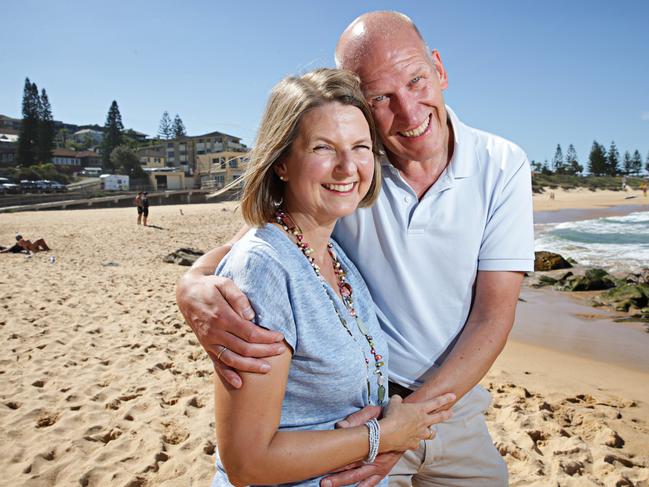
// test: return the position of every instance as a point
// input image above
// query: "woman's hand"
(404, 425)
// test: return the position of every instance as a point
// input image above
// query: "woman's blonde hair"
(289, 100)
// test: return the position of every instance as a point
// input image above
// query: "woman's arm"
(253, 451)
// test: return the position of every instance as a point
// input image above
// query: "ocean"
(615, 243)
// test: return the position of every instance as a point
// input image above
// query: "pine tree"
(597, 160)
(557, 162)
(178, 127)
(113, 129)
(647, 165)
(28, 136)
(572, 164)
(626, 163)
(165, 130)
(636, 163)
(45, 129)
(612, 160)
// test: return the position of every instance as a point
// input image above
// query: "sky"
(537, 73)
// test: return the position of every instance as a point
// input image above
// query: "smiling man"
(443, 252)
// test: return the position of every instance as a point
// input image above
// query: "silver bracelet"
(374, 439)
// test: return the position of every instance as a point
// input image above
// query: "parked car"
(10, 188)
(57, 187)
(28, 186)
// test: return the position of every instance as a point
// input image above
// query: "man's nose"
(403, 106)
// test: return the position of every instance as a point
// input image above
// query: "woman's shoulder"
(260, 248)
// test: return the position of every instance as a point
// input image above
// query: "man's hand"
(219, 313)
(366, 475)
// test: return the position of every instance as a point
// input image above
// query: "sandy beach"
(104, 384)
(583, 198)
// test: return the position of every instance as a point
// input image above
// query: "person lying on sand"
(23, 246)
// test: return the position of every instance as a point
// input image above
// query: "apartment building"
(221, 168)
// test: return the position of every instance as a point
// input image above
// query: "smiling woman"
(315, 160)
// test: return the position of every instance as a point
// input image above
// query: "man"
(138, 204)
(443, 252)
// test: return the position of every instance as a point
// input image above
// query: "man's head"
(18, 237)
(402, 81)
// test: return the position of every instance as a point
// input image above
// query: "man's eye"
(414, 80)
(379, 98)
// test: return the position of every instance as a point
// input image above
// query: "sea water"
(615, 243)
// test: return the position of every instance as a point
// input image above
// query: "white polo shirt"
(420, 257)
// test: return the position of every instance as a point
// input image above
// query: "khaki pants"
(462, 453)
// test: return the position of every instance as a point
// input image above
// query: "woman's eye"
(320, 148)
(362, 146)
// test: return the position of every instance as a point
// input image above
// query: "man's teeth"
(341, 188)
(417, 131)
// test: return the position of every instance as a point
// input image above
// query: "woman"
(315, 160)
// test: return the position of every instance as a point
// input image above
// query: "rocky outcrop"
(183, 256)
(591, 280)
(625, 297)
(549, 261)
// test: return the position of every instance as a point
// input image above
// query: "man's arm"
(219, 314)
(483, 338)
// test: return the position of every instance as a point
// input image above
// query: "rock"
(625, 297)
(592, 280)
(110, 263)
(545, 281)
(572, 261)
(547, 261)
(183, 256)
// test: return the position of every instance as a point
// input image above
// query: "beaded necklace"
(345, 288)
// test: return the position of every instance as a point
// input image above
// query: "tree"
(124, 159)
(626, 163)
(557, 162)
(636, 163)
(112, 137)
(45, 130)
(572, 164)
(178, 127)
(165, 130)
(545, 168)
(597, 160)
(28, 135)
(612, 160)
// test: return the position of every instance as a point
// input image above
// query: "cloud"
(644, 116)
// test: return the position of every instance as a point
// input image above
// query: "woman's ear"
(280, 170)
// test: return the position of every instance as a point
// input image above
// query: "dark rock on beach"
(548, 261)
(183, 256)
(625, 297)
(591, 280)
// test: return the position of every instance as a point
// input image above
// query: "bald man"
(443, 252)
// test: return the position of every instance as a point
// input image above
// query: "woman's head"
(316, 148)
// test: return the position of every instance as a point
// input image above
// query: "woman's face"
(329, 166)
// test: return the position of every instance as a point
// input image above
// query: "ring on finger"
(218, 355)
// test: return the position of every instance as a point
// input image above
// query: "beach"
(104, 384)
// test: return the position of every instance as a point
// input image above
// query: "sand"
(583, 198)
(104, 384)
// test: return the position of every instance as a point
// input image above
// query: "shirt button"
(406, 199)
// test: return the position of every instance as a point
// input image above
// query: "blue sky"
(538, 73)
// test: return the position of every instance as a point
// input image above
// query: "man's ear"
(440, 69)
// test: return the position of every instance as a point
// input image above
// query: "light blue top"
(327, 379)
(420, 258)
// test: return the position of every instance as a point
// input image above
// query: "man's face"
(403, 86)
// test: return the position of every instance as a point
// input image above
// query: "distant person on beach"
(443, 252)
(145, 208)
(643, 187)
(25, 246)
(138, 204)
(315, 160)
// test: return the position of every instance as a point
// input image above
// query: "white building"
(114, 182)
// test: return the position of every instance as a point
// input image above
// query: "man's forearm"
(483, 338)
